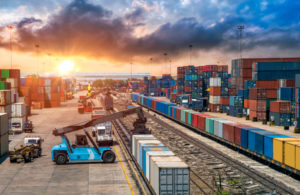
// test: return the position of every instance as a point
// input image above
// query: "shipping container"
(237, 132)
(3, 144)
(18, 110)
(268, 144)
(228, 131)
(136, 138)
(140, 144)
(150, 154)
(290, 158)
(218, 127)
(5, 97)
(169, 175)
(258, 105)
(209, 124)
(17, 124)
(147, 148)
(279, 148)
(3, 123)
(280, 106)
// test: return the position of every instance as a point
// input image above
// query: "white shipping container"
(6, 109)
(214, 99)
(143, 153)
(18, 110)
(3, 144)
(215, 82)
(218, 127)
(169, 175)
(149, 154)
(136, 138)
(3, 123)
(17, 124)
(14, 82)
(139, 148)
(5, 97)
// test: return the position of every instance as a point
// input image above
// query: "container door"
(166, 181)
(182, 182)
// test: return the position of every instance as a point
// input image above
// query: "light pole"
(37, 46)
(190, 51)
(151, 59)
(240, 29)
(166, 58)
(10, 28)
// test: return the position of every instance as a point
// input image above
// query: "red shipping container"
(271, 93)
(232, 91)
(228, 131)
(246, 103)
(14, 73)
(214, 74)
(267, 84)
(24, 91)
(186, 117)
(178, 113)
(200, 83)
(215, 91)
(280, 106)
(237, 133)
(201, 120)
(224, 100)
(246, 72)
(259, 115)
(258, 105)
(256, 94)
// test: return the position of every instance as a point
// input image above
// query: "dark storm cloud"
(90, 30)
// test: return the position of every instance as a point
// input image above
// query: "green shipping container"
(182, 115)
(4, 73)
(190, 117)
(2, 85)
(209, 124)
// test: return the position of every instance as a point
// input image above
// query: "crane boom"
(138, 124)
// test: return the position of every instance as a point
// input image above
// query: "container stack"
(43, 92)
(214, 93)
(280, 112)
(3, 134)
(257, 104)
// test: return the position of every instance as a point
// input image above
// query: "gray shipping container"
(3, 144)
(136, 138)
(3, 123)
(169, 175)
(149, 142)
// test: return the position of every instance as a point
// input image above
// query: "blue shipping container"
(268, 144)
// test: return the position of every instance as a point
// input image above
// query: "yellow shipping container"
(290, 153)
(278, 148)
(298, 157)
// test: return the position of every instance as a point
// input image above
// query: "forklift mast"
(139, 124)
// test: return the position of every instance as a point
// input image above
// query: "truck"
(81, 151)
(32, 148)
(103, 134)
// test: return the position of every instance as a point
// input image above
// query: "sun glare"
(66, 66)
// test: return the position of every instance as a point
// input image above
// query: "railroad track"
(123, 136)
(212, 172)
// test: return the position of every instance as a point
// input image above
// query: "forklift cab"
(81, 141)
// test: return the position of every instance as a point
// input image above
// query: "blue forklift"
(81, 151)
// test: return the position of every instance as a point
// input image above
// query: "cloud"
(85, 29)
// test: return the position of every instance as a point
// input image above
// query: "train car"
(274, 148)
(107, 101)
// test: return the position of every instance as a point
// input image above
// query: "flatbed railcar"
(168, 112)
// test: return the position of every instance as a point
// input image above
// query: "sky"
(151, 35)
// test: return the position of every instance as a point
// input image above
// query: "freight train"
(273, 148)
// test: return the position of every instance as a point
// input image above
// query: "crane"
(81, 151)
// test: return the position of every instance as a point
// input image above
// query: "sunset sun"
(66, 66)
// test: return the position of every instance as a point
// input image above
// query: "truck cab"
(103, 134)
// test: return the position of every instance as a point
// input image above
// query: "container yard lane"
(45, 177)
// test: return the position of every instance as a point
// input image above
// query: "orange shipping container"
(224, 100)
(215, 91)
(246, 103)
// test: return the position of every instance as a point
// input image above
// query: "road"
(45, 177)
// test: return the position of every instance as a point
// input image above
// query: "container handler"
(81, 151)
